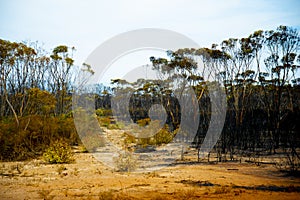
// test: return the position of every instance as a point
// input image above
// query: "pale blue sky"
(86, 24)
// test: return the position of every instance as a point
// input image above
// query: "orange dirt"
(87, 178)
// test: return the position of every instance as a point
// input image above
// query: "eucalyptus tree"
(60, 75)
(179, 73)
(17, 63)
(239, 75)
(282, 62)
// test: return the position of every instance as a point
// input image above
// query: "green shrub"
(104, 121)
(59, 152)
(125, 162)
(103, 112)
(144, 122)
(164, 136)
(129, 138)
(113, 126)
(33, 135)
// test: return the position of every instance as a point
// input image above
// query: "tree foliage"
(35, 98)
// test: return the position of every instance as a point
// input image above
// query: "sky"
(87, 24)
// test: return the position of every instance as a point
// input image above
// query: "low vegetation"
(58, 152)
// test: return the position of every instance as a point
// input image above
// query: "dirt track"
(87, 178)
